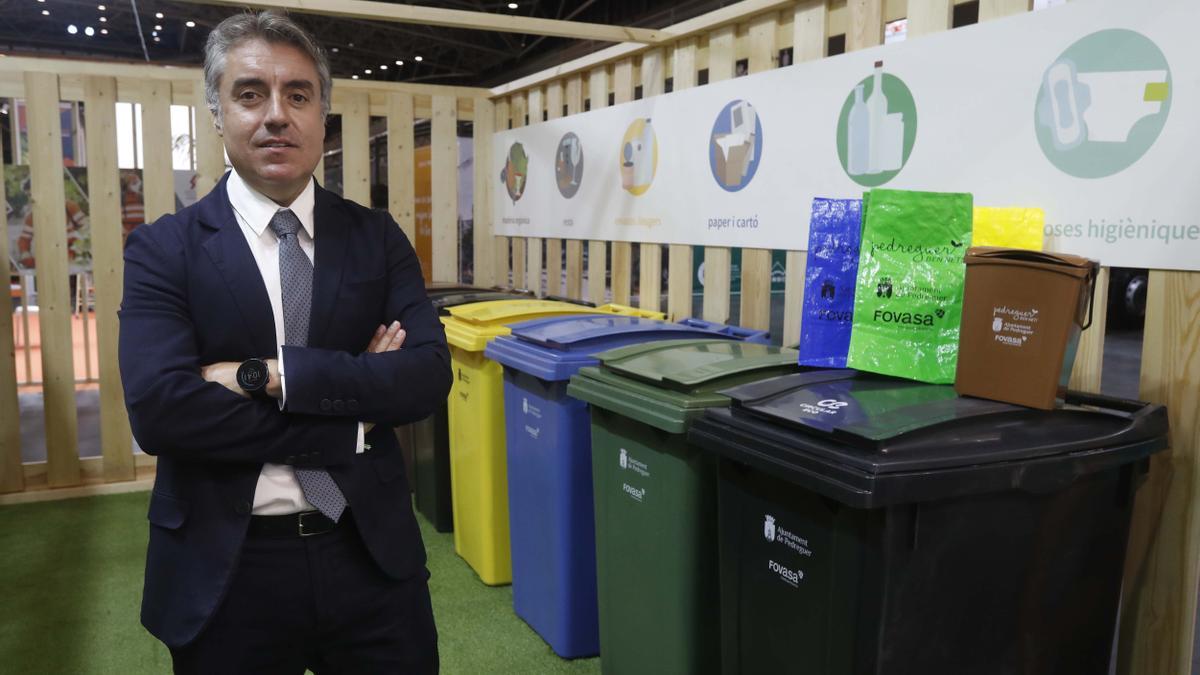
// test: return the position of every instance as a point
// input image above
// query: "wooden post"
(108, 265)
(519, 247)
(717, 259)
(554, 245)
(650, 266)
(444, 188)
(401, 184)
(53, 294)
(533, 245)
(1162, 568)
(484, 244)
(929, 16)
(866, 24)
(598, 250)
(210, 147)
(995, 9)
(808, 44)
(502, 267)
(622, 251)
(679, 269)
(12, 477)
(756, 263)
(574, 262)
(158, 173)
(356, 148)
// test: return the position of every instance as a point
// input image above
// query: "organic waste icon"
(515, 171)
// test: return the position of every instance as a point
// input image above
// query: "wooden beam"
(210, 147)
(158, 173)
(108, 267)
(401, 185)
(444, 188)
(1089, 357)
(484, 243)
(574, 259)
(808, 44)
(54, 301)
(1162, 568)
(502, 265)
(554, 245)
(679, 269)
(12, 479)
(456, 18)
(697, 26)
(866, 24)
(929, 16)
(650, 264)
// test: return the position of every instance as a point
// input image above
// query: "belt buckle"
(300, 522)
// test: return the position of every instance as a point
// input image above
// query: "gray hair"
(271, 26)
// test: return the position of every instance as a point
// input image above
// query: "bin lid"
(667, 384)
(472, 326)
(442, 302)
(869, 440)
(555, 348)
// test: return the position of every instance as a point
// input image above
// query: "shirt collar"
(257, 209)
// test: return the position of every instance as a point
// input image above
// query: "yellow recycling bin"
(478, 456)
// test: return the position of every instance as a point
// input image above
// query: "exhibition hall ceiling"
(174, 33)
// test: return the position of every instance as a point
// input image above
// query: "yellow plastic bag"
(1009, 227)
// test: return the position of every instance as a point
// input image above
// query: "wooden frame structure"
(1164, 560)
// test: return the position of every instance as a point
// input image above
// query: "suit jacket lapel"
(331, 242)
(230, 254)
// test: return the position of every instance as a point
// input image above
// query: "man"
(271, 336)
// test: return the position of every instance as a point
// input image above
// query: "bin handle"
(1093, 272)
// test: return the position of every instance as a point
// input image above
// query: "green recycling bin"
(655, 497)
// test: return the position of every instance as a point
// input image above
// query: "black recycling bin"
(425, 444)
(873, 525)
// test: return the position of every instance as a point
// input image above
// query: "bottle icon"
(858, 139)
(877, 107)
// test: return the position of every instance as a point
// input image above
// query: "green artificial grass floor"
(71, 586)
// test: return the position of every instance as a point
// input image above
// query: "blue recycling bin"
(549, 443)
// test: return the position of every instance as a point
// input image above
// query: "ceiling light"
(418, 59)
(104, 19)
(158, 27)
(89, 31)
(399, 62)
(383, 67)
(190, 24)
(72, 29)
(350, 45)
(354, 77)
(104, 31)
(158, 15)
(45, 12)
(334, 50)
(101, 7)
(158, 39)
(367, 71)
(512, 5)
(155, 33)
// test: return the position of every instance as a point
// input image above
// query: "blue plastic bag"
(834, 237)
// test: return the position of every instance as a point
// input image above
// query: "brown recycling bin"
(1022, 315)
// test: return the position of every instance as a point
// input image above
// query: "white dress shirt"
(278, 491)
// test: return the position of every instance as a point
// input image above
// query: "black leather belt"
(303, 524)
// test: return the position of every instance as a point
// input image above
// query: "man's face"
(271, 116)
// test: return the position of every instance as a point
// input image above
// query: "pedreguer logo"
(623, 460)
(769, 528)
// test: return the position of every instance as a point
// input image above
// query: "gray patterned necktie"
(296, 281)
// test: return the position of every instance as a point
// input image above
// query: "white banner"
(1078, 109)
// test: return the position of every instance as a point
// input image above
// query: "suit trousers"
(318, 602)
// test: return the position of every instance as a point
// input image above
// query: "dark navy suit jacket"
(194, 296)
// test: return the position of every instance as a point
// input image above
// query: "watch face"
(252, 375)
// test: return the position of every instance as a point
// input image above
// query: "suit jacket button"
(339, 405)
(326, 404)
(242, 508)
(352, 405)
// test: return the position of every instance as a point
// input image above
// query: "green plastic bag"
(908, 299)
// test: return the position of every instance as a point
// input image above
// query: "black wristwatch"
(253, 376)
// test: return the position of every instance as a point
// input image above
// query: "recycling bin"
(426, 444)
(655, 497)
(478, 465)
(873, 525)
(549, 463)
